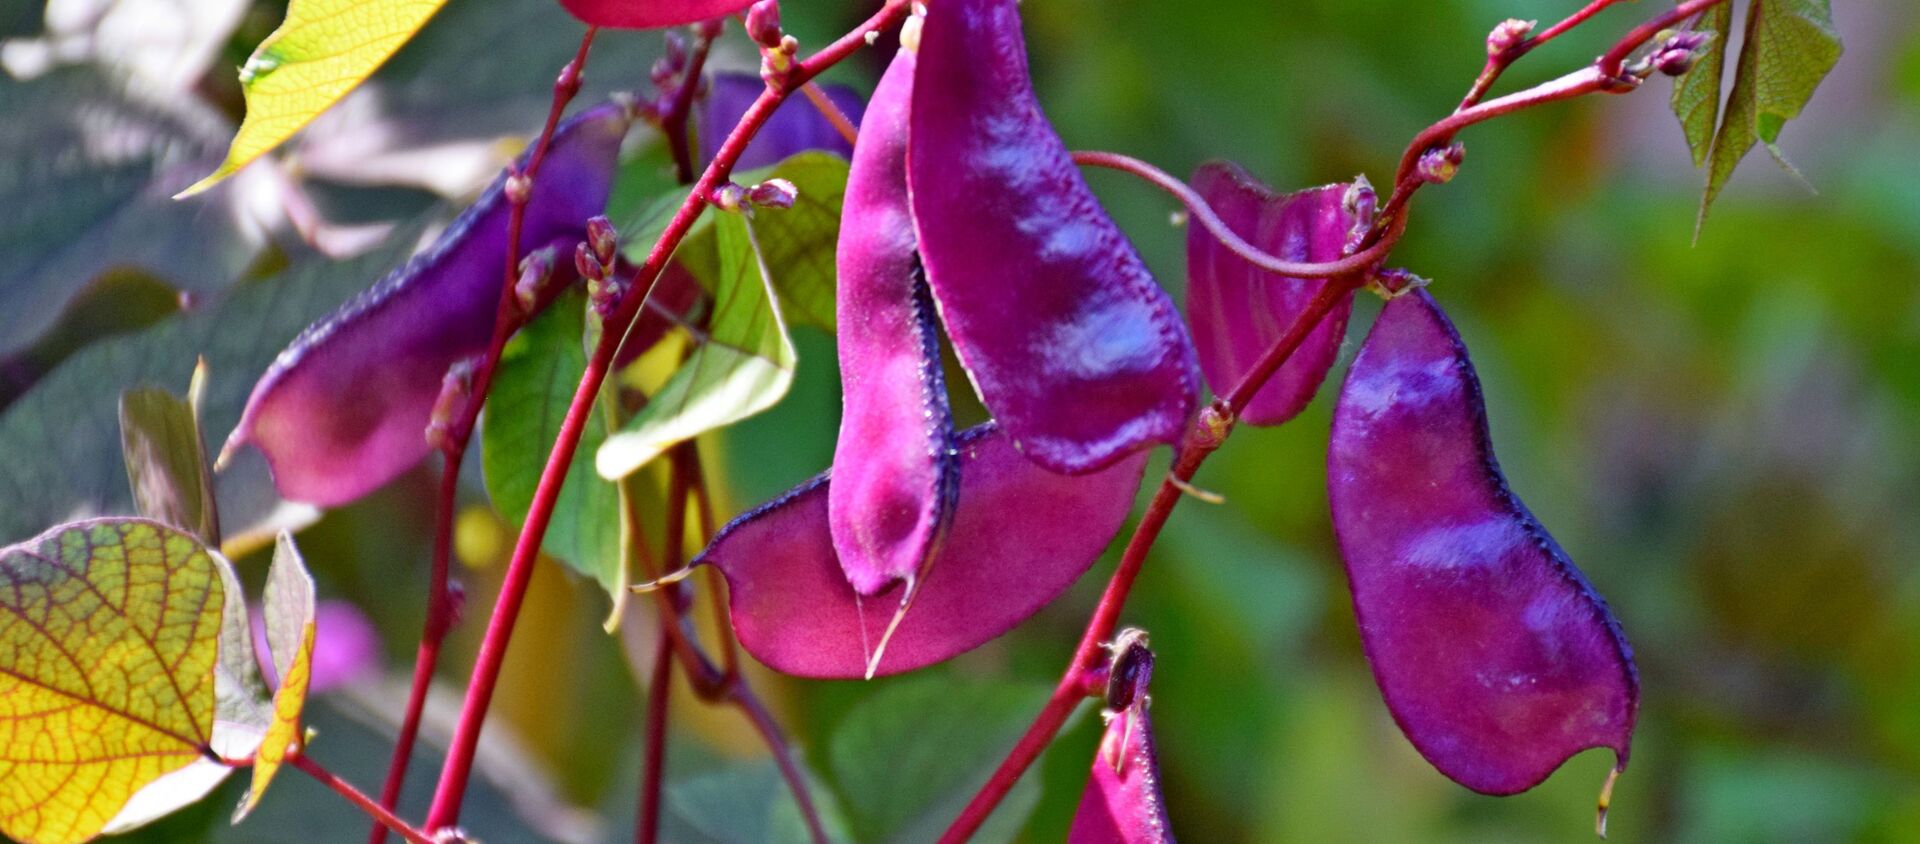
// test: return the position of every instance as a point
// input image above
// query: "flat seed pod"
(1020, 536)
(795, 127)
(1496, 657)
(1073, 347)
(651, 14)
(1237, 311)
(894, 466)
(344, 409)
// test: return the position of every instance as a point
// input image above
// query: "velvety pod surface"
(1073, 347)
(1239, 311)
(894, 467)
(344, 408)
(1494, 654)
(1020, 536)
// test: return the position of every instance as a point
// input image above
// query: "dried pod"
(1238, 311)
(1494, 654)
(1073, 347)
(388, 347)
(1020, 535)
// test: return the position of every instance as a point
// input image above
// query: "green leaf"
(166, 458)
(62, 439)
(757, 266)
(742, 366)
(90, 164)
(290, 632)
(747, 803)
(1696, 95)
(320, 52)
(109, 632)
(907, 759)
(539, 370)
(1790, 47)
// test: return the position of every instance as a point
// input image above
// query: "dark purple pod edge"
(1239, 311)
(1019, 536)
(343, 409)
(796, 127)
(1494, 654)
(1070, 343)
(894, 467)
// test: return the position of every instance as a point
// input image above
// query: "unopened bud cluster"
(456, 389)
(1678, 52)
(1508, 34)
(777, 48)
(595, 259)
(1439, 165)
(536, 272)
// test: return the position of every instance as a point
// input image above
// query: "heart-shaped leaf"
(1238, 311)
(1080, 356)
(1020, 536)
(109, 634)
(322, 51)
(1494, 654)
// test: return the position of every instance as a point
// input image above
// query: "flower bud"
(535, 270)
(1359, 202)
(675, 54)
(518, 187)
(455, 388)
(585, 263)
(728, 197)
(763, 24)
(773, 193)
(1676, 55)
(604, 240)
(1510, 33)
(1438, 165)
(604, 295)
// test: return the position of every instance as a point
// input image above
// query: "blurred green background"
(1723, 433)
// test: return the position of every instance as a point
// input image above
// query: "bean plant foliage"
(627, 285)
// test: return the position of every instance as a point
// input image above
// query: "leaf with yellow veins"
(109, 632)
(323, 50)
(290, 629)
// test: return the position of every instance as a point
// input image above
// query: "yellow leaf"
(290, 630)
(108, 638)
(323, 50)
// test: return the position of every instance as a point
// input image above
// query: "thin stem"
(1217, 421)
(381, 815)
(831, 112)
(1497, 63)
(508, 317)
(653, 769)
(673, 122)
(1203, 213)
(486, 671)
(770, 732)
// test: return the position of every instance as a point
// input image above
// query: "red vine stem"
(508, 317)
(647, 828)
(1498, 62)
(1217, 421)
(386, 819)
(486, 671)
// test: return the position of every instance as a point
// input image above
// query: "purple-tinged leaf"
(797, 126)
(1020, 536)
(1238, 311)
(651, 14)
(343, 409)
(894, 466)
(1073, 347)
(1494, 654)
(1122, 803)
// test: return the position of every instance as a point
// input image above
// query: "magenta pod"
(651, 14)
(1494, 654)
(1079, 355)
(343, 409)
(1239, 311)
(1122, 803)
(895, 470)
(1019, 536)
